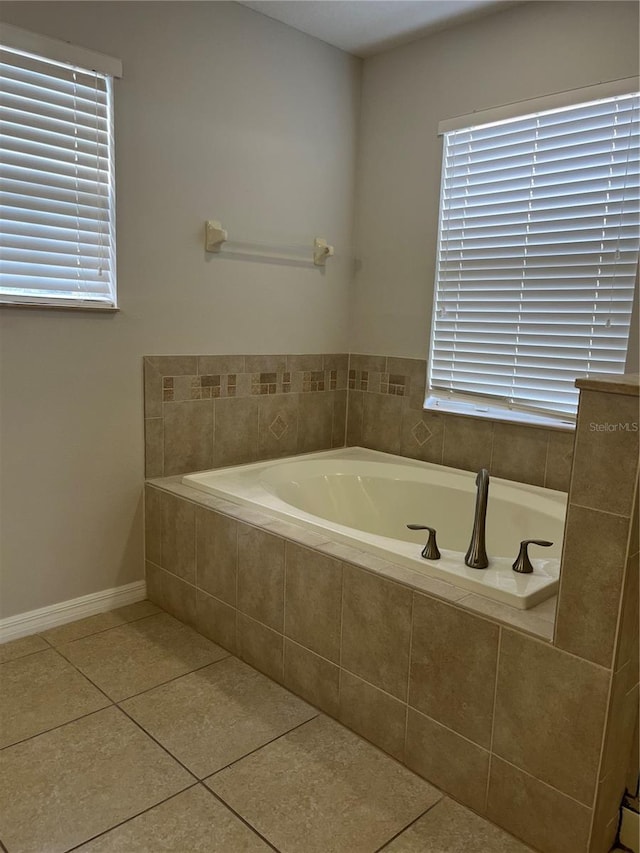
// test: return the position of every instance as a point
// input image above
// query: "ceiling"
(365, 27)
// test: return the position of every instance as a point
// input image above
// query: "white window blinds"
(537, 258)
(56, 183)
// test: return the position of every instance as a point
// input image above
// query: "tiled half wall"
(210, 411)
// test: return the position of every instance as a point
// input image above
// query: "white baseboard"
(34, 621)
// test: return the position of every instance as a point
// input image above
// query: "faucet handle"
(430, 550)
(522, 562)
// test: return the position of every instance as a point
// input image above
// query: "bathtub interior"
(365, 498)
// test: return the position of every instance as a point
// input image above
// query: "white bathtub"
(365, 498)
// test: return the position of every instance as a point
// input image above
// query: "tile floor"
(128, 732)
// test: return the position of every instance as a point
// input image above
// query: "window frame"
(477, 406)
(88, 62)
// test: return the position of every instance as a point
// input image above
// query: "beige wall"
(523, 52)
(221, 113)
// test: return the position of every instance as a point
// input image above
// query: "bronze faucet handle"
(522, 562)
(430, 550)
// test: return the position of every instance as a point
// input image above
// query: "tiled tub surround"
(208, 411)
(524, 730)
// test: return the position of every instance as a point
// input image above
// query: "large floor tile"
(451, 828)
(19, 648)
(66, 786)
(191, 822)
(135, 657)
(322, 789)
(218, 714)
(40, 692)
(100, 622)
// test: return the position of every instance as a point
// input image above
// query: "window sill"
(103, 309)
(488, 413)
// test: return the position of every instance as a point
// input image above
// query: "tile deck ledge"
(611, 383)
(538, 621)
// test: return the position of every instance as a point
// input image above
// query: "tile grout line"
(493, 719)
(129, 819)
(411, 823)
(240, 817)
(60, 726)
(267, 743)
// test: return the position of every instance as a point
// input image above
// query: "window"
(57, 227)
(537, 257)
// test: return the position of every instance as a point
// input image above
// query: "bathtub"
(365, 498)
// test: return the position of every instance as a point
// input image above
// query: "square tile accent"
(214, 716)
(40, 692)
(135, 657)
(193, 821)
(66, 786)
(451, 828)
(321, 788)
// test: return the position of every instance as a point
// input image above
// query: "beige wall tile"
(277, 425)
(265, 363)
(628, 642)
(606, 815)
(339, 419)
(306, 362)
(217, 554)
(376, 622)
(216, 621)
(371, 363)
(372, 713)
(315, 421)
(607, 459)
(182, 823)
(451, 762)
(355, 412)
(559, 460)
(261, 576)
(550, 712)
(382, 422)
(519, 453)
(154, 447)
(335, 361)
(171, 594)
(174, 365)
(526, 620)
(312, 677)
(260, 647)
(623, 713)
(178, 537)
(188, 436)
(153, 525)
(536, 813)
(422, 436)
(152, 391)
(235, 431)
(85, 777)
(590, 585)
(313, 600)
(467, 443)
(453, 668)
(210, 365)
